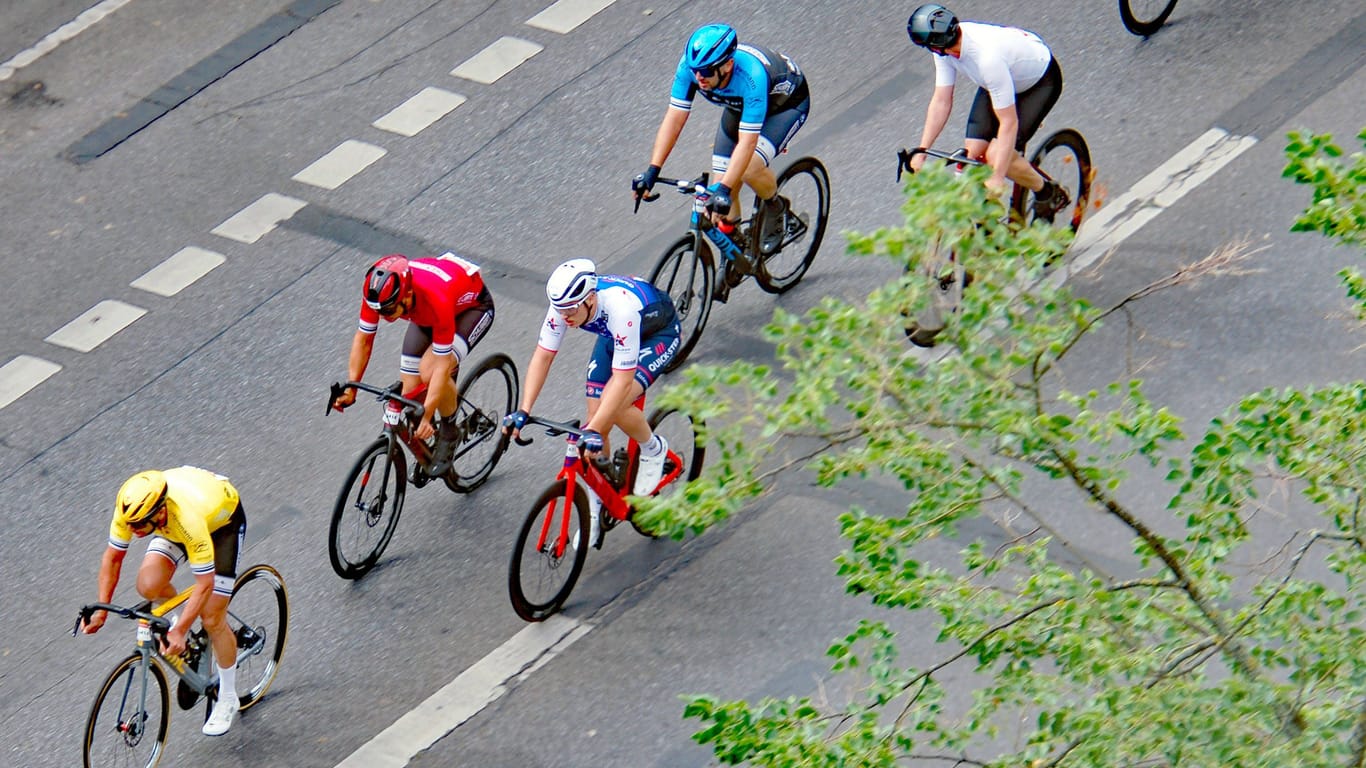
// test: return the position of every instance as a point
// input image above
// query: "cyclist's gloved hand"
(515, 420)
(719, 202)
(590, 441)
(644, 182)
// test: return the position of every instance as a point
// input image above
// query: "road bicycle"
(1144, 17)
(132, 710)
(553, 542)
(1063, 158)
(371, 498)
(689, 272)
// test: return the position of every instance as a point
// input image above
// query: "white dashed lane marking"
(418, 113)
(258, 219)
(172, 275)
(565, 15)
(336, 167)
(1155, 193)
(469, 693)
(96, 326)
(22, 374)
(84, 21)
(500, 58)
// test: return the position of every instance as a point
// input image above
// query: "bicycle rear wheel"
(258, 615)
(367, 510)
(1064, 158)
(545, 564)
(686, 274)
(487, 394)
(1144, 17)
(806, 185)
(686, 453)
(126, 728)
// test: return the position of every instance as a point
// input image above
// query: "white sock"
(652, 448)
(227, 681)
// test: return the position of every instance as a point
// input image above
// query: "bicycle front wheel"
(367, 510)
(258, 615)
(1144, 17)
(806, 185)
(686, 452)
(687, 276)
(487, 394)
(127, 724)
(550, 552)
(1064, 158)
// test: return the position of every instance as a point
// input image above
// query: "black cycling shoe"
(775, 225)
(1049, 200)
(447, 436)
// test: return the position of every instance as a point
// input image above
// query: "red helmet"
(387, 283)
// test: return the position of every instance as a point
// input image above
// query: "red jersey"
(443, 287)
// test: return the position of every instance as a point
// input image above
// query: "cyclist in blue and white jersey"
(638, 334)
(1019, 81)
(766, 102)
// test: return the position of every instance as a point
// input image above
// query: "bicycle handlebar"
(695, 186)
(904, 157)
(552, 428)
(385, 394)
(160, 624)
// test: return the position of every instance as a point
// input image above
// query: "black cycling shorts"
(1032, 104)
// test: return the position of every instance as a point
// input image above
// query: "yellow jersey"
(198, 502)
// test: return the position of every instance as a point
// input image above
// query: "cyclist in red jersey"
(448, 310)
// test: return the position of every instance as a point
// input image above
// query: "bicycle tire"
(1143, 27)
(677, 273)
(124, 736)
(529, 600)
(1064, 157)
(682, 441)
(370, 519)
(814, 203)
(481, 418)
(260, 642)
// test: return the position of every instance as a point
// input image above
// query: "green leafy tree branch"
(1183, 655)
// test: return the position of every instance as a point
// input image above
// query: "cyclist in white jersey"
(1019, 81)
(638, 332)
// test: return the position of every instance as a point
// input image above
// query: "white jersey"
(1001, 60)
(629, 310)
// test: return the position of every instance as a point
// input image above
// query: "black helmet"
(933, 26)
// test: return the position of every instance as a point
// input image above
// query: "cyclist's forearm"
(667, 136)
(536, 372)
(203, 587)
(361, 346)
(110, 566)
(937, 116)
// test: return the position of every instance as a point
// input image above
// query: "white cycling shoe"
(651, 470)
(220, 720)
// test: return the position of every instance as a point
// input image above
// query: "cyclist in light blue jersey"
(766, 101)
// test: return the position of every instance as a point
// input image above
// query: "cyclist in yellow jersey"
(196, 515)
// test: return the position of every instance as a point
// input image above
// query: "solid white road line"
(338, 166)
(258, 219)
(565, 15)
(416, 114)
(172, 275)
(84, 21)
(471, 691)
(22, 374)
(95, 326)
(500, 58)
(1155, 193)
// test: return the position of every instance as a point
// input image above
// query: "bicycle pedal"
(185, 696)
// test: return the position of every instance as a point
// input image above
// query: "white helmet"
(571, 282)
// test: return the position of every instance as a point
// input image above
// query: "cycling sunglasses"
(147, 522)
(711, 71)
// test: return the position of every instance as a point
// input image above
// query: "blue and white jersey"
(761, 83)
(629, 310)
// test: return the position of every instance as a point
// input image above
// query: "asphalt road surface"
(230, 371)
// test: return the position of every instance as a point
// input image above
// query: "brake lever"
(337, 390)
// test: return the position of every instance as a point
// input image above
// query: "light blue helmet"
(710, 46)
